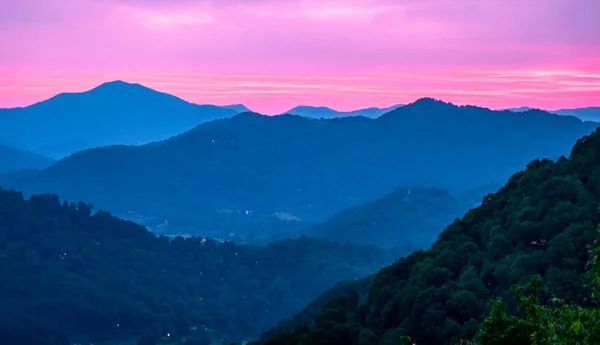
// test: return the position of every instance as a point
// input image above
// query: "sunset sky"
(273, 55)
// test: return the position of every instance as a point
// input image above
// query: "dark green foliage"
(542, 222)
(555, 323)
(552, 323)
(308, 314)
(307, 168)
(408, 218)
(67, 272)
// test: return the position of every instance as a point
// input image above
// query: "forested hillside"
(308, 313)
(69, 273)
(411, 218)
(228, 173)
(542, 222)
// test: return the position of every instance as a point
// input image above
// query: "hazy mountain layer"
(12, 159)
(112, 113)
(69, 275)
(328, 113)
(585, 114)
(252, 169)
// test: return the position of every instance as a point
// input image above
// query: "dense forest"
(69, 273)
(224, 174)
(552, 322)
(308, 313)
(411, 218)
(541, 222)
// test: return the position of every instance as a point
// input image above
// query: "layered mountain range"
(251, 172)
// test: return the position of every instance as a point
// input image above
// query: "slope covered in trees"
(313, 309)
(69, 274)
(249, 168)
(112, 113)
(12, 159)
(411, 218)
(542, 222)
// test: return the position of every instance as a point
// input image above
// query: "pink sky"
(273, 55)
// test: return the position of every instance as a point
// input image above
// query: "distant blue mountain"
(327, 113)
(585, 114)
(519, 109)
(252, 173)
(112, 113)
(238, 108)
(12, 159)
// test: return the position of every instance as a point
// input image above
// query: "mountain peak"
(115, 112)
(238, 108)
(117, 82)
(310, 107)
(422, 107)
(119, 85)
(429, 101)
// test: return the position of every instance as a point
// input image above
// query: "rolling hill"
(112, 113)
(408, 218)
(586, 114)
(12, 159)
(238, 108)
(543, 221)
(226, 173)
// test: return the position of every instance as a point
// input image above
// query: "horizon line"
(321, 105)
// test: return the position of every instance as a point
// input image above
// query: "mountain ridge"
(299, 166)
(410, 218)
(540, 223)
(114, 112)
(77, 274)
(591, 113)
(326, 112)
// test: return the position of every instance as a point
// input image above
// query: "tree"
(554, 323)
